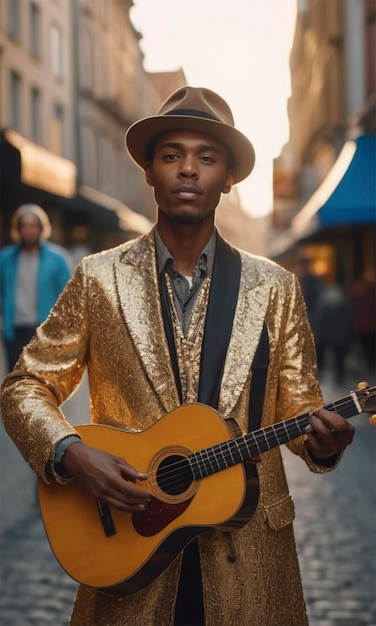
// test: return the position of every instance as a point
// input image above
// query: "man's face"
(30, 229)
(189, 171)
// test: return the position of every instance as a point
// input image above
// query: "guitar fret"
(230, 449)
(202, 465)
(273, 437)
(230, 454)
(236, 445)
(211, 460)
(278, 434)
(207, 461)
(220, 465)
(286, 431)
(265, 439)
(259, 450)
(262, 444)
(225, 447)
(215, 459)
(227, 454)
(193, 461)
(245, 448)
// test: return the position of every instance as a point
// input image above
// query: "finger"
(337, 425)
(332, 421)
(126, 487)
(123, 505)
(113, 484)
(133, 493)
(324, 440)
(319, 428)
(128, 471)
(122, 497)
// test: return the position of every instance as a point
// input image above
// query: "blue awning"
(347, 196)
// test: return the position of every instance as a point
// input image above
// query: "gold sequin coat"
(109, 320)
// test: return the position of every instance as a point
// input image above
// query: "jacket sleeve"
(48, 371)
(298, 388)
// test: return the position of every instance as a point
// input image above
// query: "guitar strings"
(223, 448)
(297, 422)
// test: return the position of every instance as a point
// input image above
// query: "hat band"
(192, 112)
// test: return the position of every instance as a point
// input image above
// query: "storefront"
(336, 227)
(82, 218)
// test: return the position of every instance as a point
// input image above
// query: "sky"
(238, 48)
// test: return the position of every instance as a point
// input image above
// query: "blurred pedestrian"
(33, 272)
(311, 287)
(363, 301)
(333, 334)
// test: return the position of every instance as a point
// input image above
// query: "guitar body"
(121, 553)
(200, 473)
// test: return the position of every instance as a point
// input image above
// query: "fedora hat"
(196, 109)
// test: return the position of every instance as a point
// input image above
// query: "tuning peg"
(372, 419)
(363, 385)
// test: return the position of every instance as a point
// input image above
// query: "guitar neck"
(224, 455)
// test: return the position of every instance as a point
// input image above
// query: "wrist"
(60, 453)
(328, 461)
(70, 458)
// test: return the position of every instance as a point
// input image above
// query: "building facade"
(331, 109)
(38, 147)
(72, 81)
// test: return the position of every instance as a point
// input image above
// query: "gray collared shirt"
(185, 291)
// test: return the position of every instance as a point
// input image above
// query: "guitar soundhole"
(174, 475)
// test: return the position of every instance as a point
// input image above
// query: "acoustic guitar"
(199, 476)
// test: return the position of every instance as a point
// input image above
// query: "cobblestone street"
(335, 533)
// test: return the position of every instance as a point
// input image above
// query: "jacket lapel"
(219, 320)
(248, 322)
(138, 293)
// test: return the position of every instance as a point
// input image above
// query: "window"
(35, 115)
(57, 130)
(85, 61)
(14, 18)
(57, 51)
(14, 91)
(34, 26)
(88, 147)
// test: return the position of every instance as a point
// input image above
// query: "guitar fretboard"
(224, 455)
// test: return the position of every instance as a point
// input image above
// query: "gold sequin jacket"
(109, 320)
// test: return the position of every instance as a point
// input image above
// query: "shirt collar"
(166, 261)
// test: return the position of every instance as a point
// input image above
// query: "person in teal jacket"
(33, 272)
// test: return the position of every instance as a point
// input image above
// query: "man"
(33, 272)
(174, 317)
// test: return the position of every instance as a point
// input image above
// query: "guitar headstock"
(366, 398)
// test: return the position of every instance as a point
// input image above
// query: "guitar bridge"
(106, 519)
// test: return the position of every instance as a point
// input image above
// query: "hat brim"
(141, 133)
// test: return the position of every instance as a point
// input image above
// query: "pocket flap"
(280, 513)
